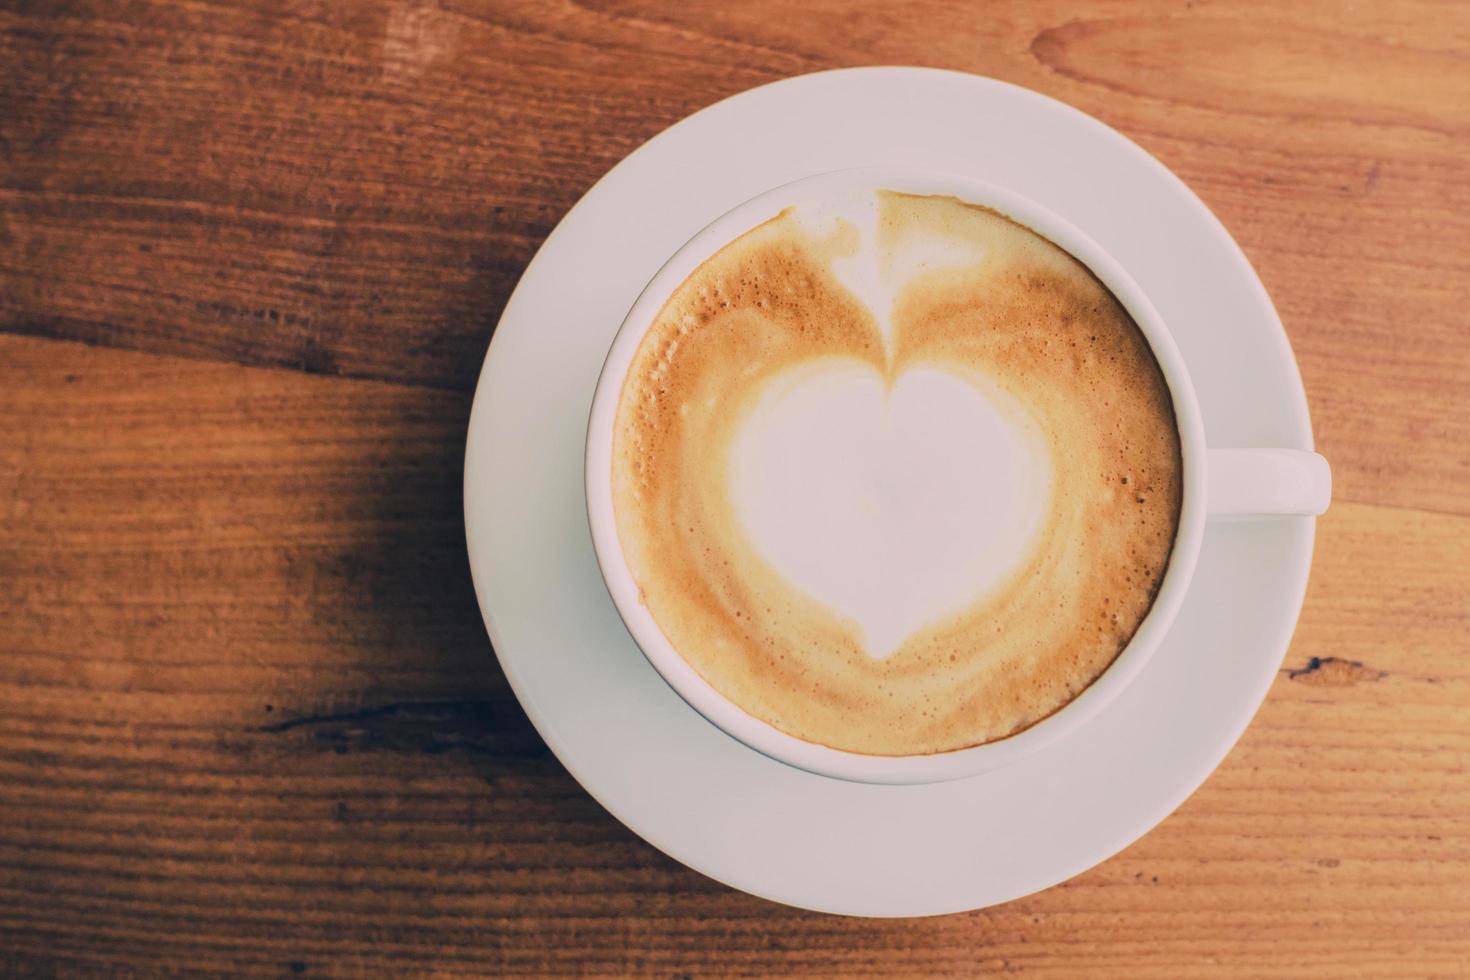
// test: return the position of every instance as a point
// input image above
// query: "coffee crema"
(899, 479)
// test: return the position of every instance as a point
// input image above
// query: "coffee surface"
(898, 479)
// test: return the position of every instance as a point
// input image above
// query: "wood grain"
(250, 257)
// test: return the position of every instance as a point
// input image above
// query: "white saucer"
(674, 778)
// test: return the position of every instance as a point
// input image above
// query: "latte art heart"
(894, 506)
(899, 477)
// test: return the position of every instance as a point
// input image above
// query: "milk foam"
(894, 506)
(895, 474)
(873, 274)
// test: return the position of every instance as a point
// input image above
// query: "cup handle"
(1246, 483)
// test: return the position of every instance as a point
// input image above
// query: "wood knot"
(1334, 672)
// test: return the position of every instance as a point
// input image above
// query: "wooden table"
(250, 258)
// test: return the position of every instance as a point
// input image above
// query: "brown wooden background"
(250, 257)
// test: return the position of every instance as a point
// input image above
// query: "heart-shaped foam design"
(893, 505)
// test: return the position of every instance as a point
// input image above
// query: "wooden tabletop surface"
(250, 258)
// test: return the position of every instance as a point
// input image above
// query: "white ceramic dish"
(710, 801)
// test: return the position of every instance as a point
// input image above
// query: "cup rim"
(764, 737)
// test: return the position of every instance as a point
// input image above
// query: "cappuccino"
(896, 475)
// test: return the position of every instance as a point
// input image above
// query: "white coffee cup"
(1237, 484)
